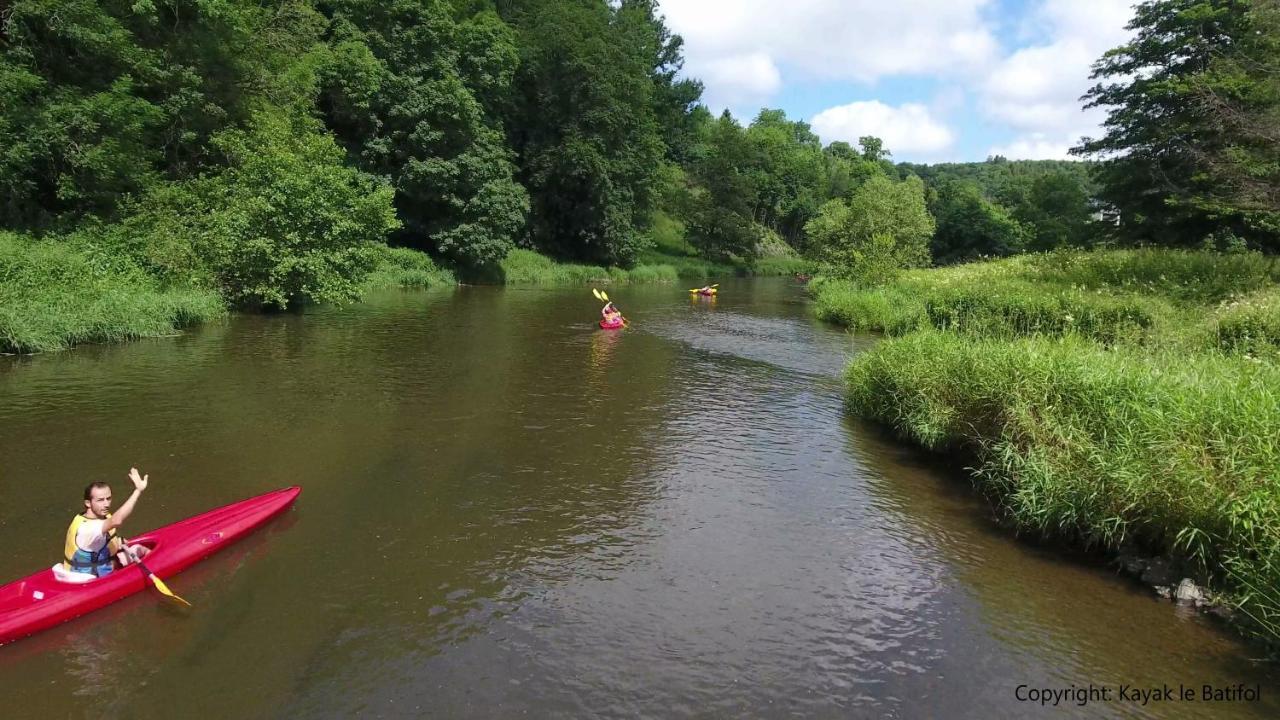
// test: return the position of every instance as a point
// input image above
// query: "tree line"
(263, 148)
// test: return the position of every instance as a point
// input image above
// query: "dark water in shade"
(510, 512)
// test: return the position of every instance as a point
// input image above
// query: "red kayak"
(41, 601)
(611, 326)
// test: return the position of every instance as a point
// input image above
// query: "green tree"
(1057, 210)
(1157, 134)
(719, 221)
(284, 223)
(406, 92)
(847, 169)
(100, 100)
(583, 125)
(884, 227)
(1240, 93)
(787, 170)
(970, 227)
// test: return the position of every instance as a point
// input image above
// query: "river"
(508, 511)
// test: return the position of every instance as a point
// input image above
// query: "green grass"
(526, 267)
(1149, 297)
(1176, 452)
(406, 268)
(1105, 397)
(54, 295)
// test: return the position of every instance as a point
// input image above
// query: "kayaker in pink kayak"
(91, 539)
(610, 313)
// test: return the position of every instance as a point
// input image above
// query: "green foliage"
(583, 124)
(720, 211)
(1057, 209)
(1157, 298)
(884, 227)
(100, 100)
(526, 267)
(1162, 140)
(1240, 92)
(785, 166)
(56, 293)
(407, 91)
(396, 267)
(284, 223)
(970, 226)
(847, 169)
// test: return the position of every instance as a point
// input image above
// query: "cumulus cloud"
(750, 78)
(861, 40)
(1036, 90)
(1035, 146)
(746, 50)
(909, 128)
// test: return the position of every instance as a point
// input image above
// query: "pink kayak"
(611, 326)
(40, 601)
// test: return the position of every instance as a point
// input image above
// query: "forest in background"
(162, 160)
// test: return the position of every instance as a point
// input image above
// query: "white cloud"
(906, 129)
(746, 51)
(1035, 146)
(742, 79)
(861, 40)
(1036, 90)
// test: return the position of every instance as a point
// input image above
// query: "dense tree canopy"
(1178, 97)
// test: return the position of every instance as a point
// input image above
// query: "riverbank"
(54, 295)
(1117, 399)
(526, 267)
(58, 294)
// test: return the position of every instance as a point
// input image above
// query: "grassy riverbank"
(1104, 398)
(54, 295)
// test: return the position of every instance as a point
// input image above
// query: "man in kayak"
(91, 539)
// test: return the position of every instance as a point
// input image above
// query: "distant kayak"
(612, 325)
(707, 293)
(42, 600)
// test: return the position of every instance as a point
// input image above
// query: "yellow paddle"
(146, 571)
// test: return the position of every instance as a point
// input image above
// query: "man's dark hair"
(88, 489)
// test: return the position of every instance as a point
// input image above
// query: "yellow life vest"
(80, 560)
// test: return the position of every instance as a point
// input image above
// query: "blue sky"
(938, 80)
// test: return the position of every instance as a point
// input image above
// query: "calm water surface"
(507, 511)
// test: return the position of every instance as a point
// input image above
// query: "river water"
(507, 511)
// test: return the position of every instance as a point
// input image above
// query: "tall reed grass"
(1104, 397)
(54, 295)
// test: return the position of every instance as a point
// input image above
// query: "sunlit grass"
(54, 296)
(1105, 397)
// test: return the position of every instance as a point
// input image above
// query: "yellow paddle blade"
(604, 296)
(596, 293)
(165, 589)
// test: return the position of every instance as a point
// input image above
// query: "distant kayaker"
(610, 313)
(91, 539)
(705, 290)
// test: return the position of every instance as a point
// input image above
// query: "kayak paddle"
(146, 572)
